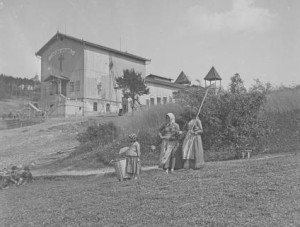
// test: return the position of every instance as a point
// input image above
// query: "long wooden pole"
(206, 92)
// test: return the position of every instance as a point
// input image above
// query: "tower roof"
(182, 79)
(212, 75)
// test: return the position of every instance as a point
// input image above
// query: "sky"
(259, 39)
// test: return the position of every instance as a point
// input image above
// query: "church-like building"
(78, 77)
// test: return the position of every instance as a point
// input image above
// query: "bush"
(232, 119)
(101, 134)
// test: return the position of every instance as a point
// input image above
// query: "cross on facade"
(99, 87)
(60, 59)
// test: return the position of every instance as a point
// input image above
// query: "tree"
(132, 85)
(237, 84)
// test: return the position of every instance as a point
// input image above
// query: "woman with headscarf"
(133, 163)
(192, 150)
(169, 133)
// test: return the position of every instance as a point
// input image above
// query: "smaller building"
(162, 89)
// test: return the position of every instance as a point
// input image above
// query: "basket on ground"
(120, 168)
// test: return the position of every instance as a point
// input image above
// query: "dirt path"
(39, 173)
(24, 145)
(42, 142)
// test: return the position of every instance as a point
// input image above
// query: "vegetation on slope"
(232, 120)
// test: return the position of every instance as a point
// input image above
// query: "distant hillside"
(284, 100)
(12, 105)
(15, 87)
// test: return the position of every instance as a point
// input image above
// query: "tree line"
(19, 87)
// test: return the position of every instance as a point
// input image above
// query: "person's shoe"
(172, 170)
(167, 171)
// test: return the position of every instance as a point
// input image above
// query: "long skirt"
(167, 154)
(133, 165)
(192, 152)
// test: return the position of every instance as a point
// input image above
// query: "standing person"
(192, 150)
(169, 133)
(133, 162)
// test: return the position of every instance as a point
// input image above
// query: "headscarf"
(133, 136)
(172, 118)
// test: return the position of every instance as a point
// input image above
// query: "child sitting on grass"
(25, 176)
(18, 176)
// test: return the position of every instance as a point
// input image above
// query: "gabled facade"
(78, 77)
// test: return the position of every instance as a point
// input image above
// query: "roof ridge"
(109, 49)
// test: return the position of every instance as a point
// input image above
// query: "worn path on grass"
(40, 173)
(38, 143)
(103, 171)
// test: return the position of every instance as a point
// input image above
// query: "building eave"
(90, 44)
(165, 84)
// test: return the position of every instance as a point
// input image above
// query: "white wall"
(158, 91)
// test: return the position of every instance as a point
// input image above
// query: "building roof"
(155, 77)
(182, 79)
(60, 35)
(163, 83)
(212, 75)
(52, 77)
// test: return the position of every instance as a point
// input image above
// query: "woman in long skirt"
(133, 162)
(169, 134)
(192, 150)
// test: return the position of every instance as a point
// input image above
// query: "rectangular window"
(158, 100)
(71, 86)
(165, 100)
(147, 102)
(170, 99)
(107, 107)
(95, 106)
(152, 101)
(77, 85)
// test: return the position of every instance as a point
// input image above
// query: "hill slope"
(24, 145)
(263, 192)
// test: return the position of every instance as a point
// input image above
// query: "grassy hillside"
(282, 113)
(26, 143)
(260, 192)
(12, 105)
(283, 100)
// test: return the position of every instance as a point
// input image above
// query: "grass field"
(262, 192)
(255, 192)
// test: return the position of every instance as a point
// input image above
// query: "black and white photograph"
(150, 113)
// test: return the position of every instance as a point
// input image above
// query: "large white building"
(78, 77)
